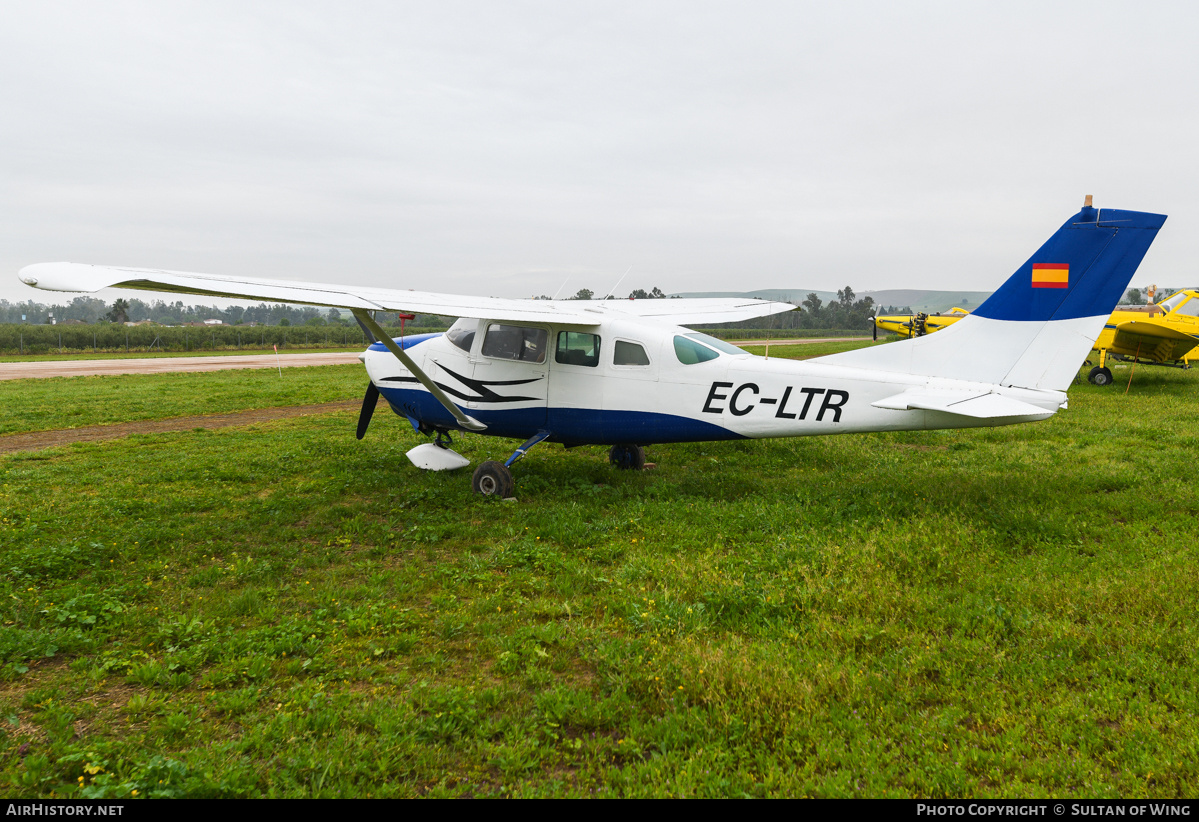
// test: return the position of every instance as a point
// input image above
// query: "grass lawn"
(283, 610)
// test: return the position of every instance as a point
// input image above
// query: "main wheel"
(1100, 376)
(493, 479)
(627, 457)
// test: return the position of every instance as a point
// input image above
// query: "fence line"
(109, 337)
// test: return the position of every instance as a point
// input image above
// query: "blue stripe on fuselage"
(405, 342)
(579, 426)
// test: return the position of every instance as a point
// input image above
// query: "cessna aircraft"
(628, 373)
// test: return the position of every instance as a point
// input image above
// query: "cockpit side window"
(515, 342)
(462, 333)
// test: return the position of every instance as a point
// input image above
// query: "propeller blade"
(874, 327)
(368, 408)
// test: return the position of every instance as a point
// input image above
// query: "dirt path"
(38, 440)
(803, 341)
(163, 365)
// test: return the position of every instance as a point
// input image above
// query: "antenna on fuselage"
(612, 291)
(559, 291)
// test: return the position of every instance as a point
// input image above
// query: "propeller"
(368, 408)
(372, 393)
(874, 327)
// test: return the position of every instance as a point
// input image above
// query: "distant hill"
(918, 299)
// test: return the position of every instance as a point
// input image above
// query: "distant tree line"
(22, 338)
(93, 310)
(1137, 296)
(846, 312)
(636, 294)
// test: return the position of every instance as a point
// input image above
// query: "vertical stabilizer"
(1036, 330)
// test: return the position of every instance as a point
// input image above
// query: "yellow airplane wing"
(1150, 336)
(1147, 328)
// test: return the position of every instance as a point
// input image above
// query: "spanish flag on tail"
(1050, 275)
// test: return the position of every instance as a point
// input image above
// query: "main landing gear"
(495, 479)
(1100, 374)
(627, 457)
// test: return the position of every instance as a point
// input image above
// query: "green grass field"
(282, 610)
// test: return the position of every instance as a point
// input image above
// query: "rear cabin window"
(462, 334)
(719, 345)
(575, 348)
(629, 353)
(514, 342)
(690, 352)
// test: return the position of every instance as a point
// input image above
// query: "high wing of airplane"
(1165, 334)
(1162, 335)
(629, 373)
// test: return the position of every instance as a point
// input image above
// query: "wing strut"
(469, 423)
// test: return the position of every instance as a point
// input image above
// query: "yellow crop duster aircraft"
(1163, 334)
(917, 325)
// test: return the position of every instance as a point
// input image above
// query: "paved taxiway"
(164, 365)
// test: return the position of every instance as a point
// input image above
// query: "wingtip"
(62, 276)
(31, 275)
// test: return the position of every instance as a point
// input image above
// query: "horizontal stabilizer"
(977, 404)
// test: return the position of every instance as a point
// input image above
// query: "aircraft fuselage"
(621, 382)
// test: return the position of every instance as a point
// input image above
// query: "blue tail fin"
(1036, 330)
(1081, 271)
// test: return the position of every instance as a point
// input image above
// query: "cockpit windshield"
(462, 333)
(1189, 309)
(1173, 303)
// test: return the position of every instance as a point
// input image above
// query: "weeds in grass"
(286, 611)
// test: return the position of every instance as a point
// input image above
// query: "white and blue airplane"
(630, 373)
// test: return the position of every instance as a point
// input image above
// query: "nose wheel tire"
(627, 457)
(1100, 376)
(493, 479)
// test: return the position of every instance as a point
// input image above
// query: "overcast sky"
(502, 147)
